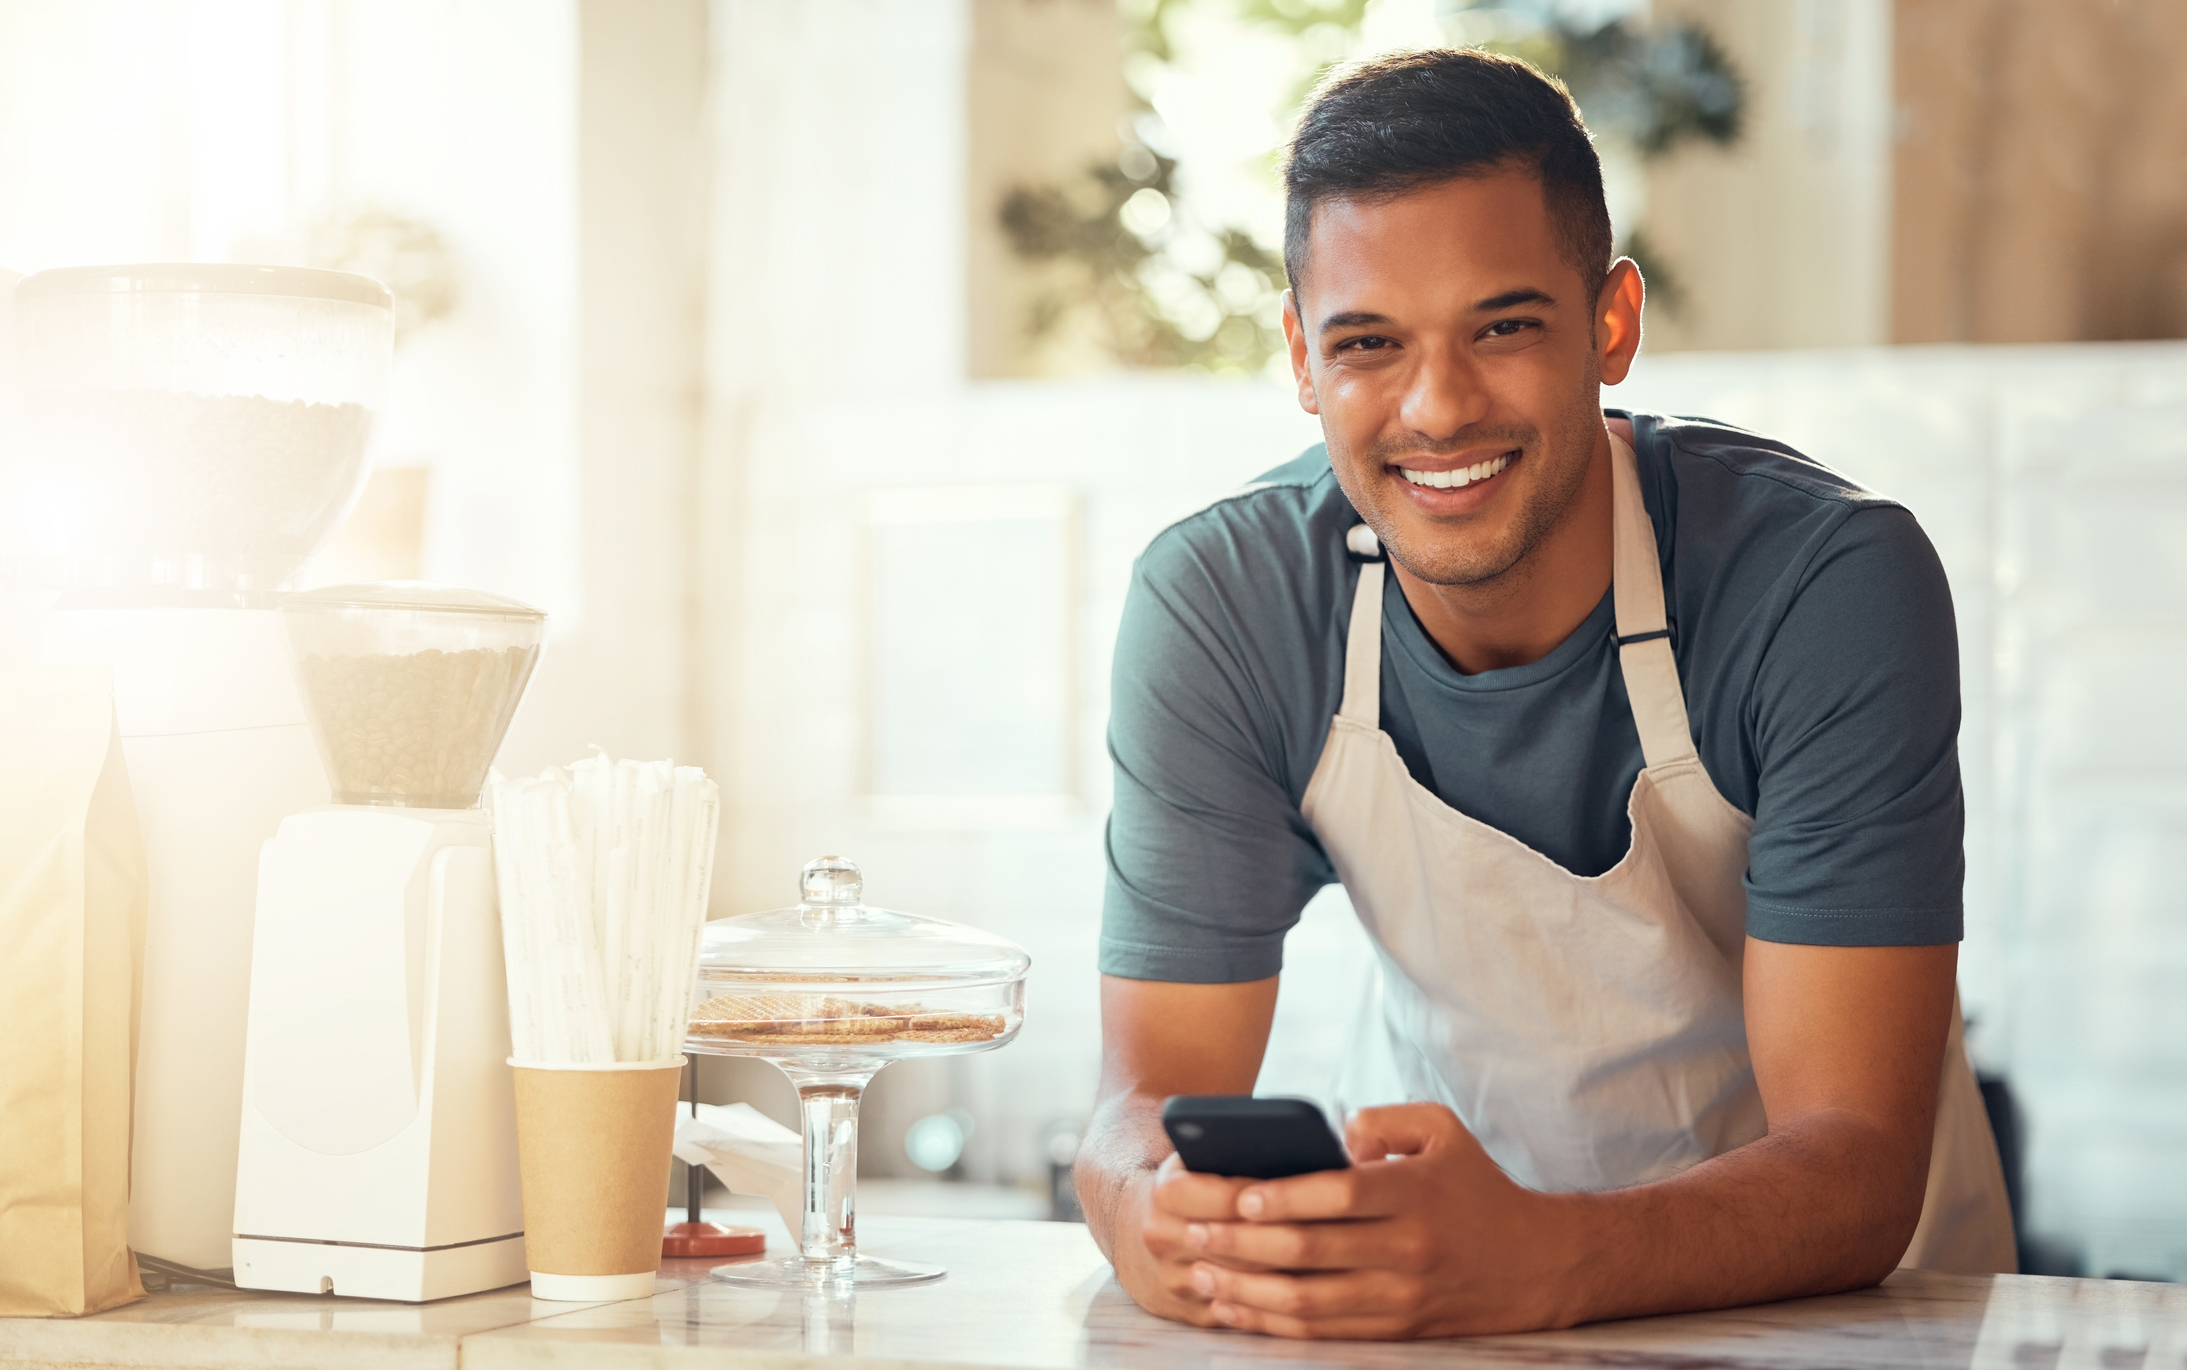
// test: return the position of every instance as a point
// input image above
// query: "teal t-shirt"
(1815, 642)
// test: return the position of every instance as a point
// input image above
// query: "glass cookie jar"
(830, 991)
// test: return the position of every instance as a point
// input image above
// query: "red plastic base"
(712, 1239)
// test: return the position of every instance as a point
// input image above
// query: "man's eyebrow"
(1525, 294)
(1352, 318)
(1360, 318)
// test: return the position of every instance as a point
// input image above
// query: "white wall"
(619, 675)
(465, 116)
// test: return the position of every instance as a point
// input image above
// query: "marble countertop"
(1038, 1296)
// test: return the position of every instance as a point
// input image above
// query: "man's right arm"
(1157, 1039)
(1215, 698)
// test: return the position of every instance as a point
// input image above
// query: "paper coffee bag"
(72, 896)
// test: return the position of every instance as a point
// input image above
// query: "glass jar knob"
(830, 880)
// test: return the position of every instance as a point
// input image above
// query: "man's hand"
(1153, 1260)
(1424, 1236)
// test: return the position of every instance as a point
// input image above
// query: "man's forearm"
(1826, 1203)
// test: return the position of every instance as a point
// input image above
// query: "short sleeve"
(1209, 860)
(1859, 819)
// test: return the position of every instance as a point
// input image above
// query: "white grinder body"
(378, 1148)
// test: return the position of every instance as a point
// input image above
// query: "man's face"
(1449, 349)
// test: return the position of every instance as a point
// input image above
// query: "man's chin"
(1437, 556)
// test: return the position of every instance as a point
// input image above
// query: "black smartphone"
(1251, 1139)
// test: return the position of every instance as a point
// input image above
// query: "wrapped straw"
(605, 868)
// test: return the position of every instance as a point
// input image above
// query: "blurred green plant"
(1217, 310)
(1166, 291)
(1656, 88)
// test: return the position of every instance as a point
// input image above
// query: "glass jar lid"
(832, 934)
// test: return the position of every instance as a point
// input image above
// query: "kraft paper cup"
(592, 1145)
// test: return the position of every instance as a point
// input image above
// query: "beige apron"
(1589, 1030)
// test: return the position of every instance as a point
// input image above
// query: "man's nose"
(1443, 397)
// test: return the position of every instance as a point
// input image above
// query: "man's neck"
(1520, 616)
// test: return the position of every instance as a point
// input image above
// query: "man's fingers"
(1402, 1130)
(1176, 1244)
(1361, 1191)
(1350, 1295)
(1367, 1244)
(1179, 1193)
(1179, 1201)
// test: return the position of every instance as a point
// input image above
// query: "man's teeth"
(1465, 475)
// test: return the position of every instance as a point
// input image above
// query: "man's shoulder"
(1305, 471)
(1756, 527)
(1272, 533)
(1730, 504)
(1757, 473)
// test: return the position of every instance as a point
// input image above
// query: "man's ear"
(1294, 337)
(1617, 319)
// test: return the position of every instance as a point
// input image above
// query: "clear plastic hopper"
(194, 431)
(410, 687)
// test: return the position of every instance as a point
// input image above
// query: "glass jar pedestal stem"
(829, 1257)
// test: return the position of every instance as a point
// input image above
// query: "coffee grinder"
(378, 1152)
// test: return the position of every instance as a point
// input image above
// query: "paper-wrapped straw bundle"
(604, 870)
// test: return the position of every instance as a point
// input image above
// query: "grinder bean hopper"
(378, 1154)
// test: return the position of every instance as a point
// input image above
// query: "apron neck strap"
(1363, 643)
(1643, 632)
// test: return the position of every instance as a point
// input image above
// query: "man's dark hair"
(1406, 122)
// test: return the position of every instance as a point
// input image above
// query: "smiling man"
(1632, 741)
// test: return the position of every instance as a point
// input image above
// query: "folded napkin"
(748, 1152)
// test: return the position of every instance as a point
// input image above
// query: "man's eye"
(1370, 343)
(1504, 328)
